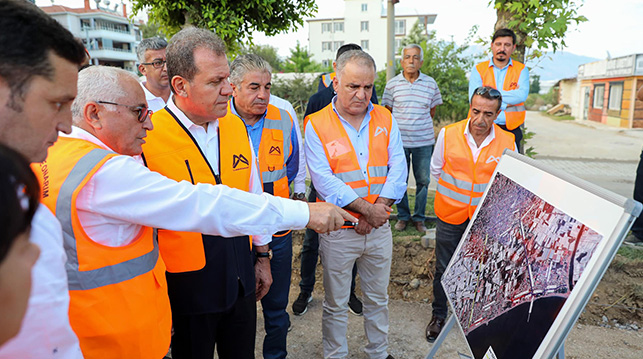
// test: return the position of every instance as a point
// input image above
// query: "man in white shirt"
(151, 58)
(38, 71)
(116, 203)
(466, 154)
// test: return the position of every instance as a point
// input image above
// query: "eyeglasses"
(156, 63)
(142, 111)
(493, 93)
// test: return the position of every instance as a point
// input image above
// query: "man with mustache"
(466, 154)
(275, 142)
(356, 161)
(412, 97)
(151, 58)
(508, 76)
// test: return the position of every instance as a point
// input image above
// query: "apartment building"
(362, 22)
(105, 30)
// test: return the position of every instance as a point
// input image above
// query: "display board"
(533, 253)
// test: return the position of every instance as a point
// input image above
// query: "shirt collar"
(367, 116)
(79, 133)
(492, 64)
(185, 121)
(148, 95)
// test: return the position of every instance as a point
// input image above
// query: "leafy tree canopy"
(299, 61)
(233, 20)
(268, 53)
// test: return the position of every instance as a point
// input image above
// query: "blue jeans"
(276, 320)
(421, 159)
(447, 237)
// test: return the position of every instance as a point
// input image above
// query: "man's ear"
(92, 117)
(234, 89)
(335, 82)
(181, 86)
(142, 70)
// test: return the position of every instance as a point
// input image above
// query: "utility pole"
(390, 39)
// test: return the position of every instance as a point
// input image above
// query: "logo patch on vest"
(493, 159)
(336, 148)
(379, 130)
(237, 159)
(274, 150)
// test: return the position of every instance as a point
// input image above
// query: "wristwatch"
(264, 254)
(299, 196)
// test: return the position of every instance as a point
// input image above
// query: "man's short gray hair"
(413, 46)
(180, 51)
(357, 56)
(247, 63)
(98, 83)
(152, 43)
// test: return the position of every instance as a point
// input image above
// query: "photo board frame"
(532, 255)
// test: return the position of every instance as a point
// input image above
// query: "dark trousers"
(310, 256)
(232, 332)
(518, 134)
(420, 158)
(447, 238)
(637, 227)
(276, 320)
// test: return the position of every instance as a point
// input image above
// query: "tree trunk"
(504, 17)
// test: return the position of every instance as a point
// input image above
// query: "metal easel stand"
(447, 328)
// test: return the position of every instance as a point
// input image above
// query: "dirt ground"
(608, 328)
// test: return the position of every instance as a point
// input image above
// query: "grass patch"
(410, 231)
(559, 118)
(634, 254)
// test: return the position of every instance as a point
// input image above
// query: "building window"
(398, 45)
(599, 96)
(616, 96)
(364, 44)
(339, 26)
(364, 7)
(337, 45)
(327, 63)
(364, 26)
(400, 27)
(327, 46)
(327, 27)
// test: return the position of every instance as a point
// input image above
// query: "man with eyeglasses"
(151, 57)
(109, 204)
(466, 154)
(509, 77)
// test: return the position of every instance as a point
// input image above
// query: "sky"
(613, 26)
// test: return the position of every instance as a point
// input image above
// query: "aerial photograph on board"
(518, 264)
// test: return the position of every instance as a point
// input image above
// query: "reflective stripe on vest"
(83, 280)
(514, 114)
(327, 79)
(273, 169)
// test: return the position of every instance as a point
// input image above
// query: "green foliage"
(234, 21)
(539, 25)
(446, 62)
(297, 91)
(299, 61)
(526, 136)
(151, 29)
(268, 53)
(534, 86)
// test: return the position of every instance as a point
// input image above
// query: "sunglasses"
(493, 93)
(156, 63)
(142, 111)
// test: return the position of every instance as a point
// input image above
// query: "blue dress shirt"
(331, 188)
(512, 97)
(255, 132)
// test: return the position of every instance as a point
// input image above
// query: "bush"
(297, 91)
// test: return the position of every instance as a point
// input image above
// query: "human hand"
(326, 217)
(378, 214)
(363, 228)
(263, 277)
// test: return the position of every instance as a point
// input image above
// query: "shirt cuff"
(296, 213)
(300, 187)
(261, 240)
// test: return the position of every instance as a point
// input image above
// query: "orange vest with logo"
(514, 114)
(462, 182)
(342, 156)
(119, 306)
(274, 149)
(171, 150)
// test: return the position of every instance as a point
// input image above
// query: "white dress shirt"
(437, 161)
(154, 103)
(299, 185)
(46, 332)
(123, 195)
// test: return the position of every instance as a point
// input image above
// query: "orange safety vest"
(171, 150)
(462, 182)
(341, 154)
(514, 114)
(275, 139)
(118, 306)
(327, 79)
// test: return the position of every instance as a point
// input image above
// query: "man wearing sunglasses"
(466, 154)
(509, 77)
(108, 204)
(151, 57)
